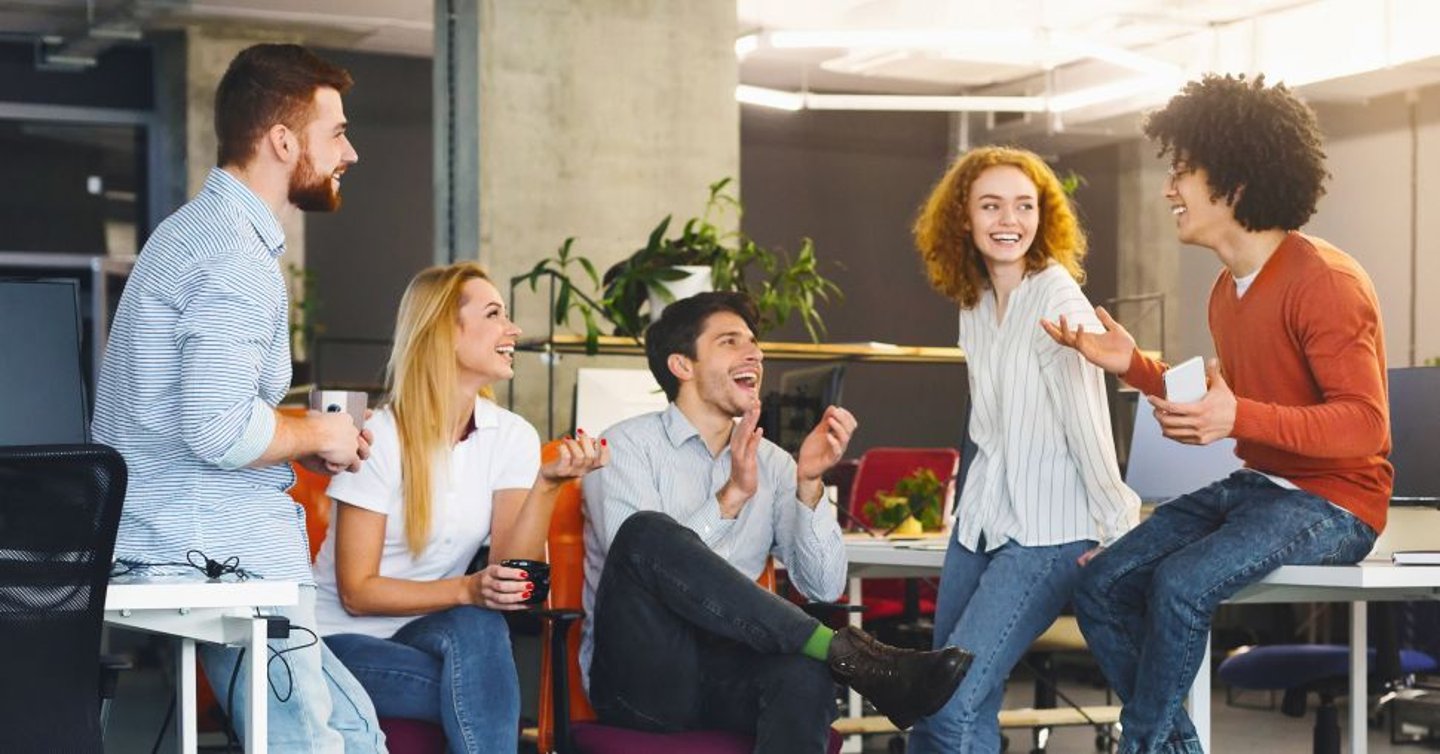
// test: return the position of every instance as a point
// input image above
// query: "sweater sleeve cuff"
(1145, 374)
(259, 431)
(1252, 420)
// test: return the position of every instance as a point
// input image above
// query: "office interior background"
(495, 129)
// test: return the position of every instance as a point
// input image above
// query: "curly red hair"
(946, 246)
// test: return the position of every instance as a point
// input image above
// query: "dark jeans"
(683, 641)
(1145, 603)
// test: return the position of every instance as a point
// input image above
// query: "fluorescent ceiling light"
(773, 98)
(924, 103)
(746, 45)
(907, 38)
(1096, 95)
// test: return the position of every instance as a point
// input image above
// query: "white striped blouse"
(1045, 472)
(198, 356)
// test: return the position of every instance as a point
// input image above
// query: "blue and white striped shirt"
(659, 462)
(198, 357)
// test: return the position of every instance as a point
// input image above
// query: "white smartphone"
(1185, 382)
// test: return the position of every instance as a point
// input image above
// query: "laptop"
(1160, 469)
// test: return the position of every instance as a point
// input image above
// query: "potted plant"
(912, 507)
(631, 291)
(304, 327)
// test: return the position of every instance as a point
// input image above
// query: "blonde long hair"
(420, 383)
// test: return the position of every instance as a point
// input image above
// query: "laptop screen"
(1159, 468)
(42, 390)
(1415, 434)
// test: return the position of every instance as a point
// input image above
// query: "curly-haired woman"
(999, 237)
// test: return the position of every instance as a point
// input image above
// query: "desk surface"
(161, 594)
(868, 554)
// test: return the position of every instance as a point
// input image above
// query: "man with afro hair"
(1299, 383)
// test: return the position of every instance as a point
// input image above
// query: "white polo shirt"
(502, 453)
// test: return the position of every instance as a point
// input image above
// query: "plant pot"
(697, 281)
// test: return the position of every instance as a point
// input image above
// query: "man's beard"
(311, 191)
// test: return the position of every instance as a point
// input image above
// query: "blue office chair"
(59, 511)
(1323, 669)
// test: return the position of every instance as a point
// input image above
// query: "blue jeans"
(1145, 604)
(325, 708)
(993, 604)
(453, 667)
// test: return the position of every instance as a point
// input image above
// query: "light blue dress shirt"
(198, 357)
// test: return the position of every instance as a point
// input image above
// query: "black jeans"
(683, 641)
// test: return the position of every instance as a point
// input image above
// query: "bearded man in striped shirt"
(198, 359)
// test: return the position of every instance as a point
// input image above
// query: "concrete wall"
(597, 119)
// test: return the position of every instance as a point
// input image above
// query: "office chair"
(1323, 669)
(567, 721)
(900, 602)
(59, 512)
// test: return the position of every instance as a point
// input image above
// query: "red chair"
(879, 470)
(567, 721)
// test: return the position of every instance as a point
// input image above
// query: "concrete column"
(596, 120)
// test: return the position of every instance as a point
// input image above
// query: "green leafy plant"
(783, 286)
(920, 494)
(304, 309)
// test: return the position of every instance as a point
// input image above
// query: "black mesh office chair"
(59, 510)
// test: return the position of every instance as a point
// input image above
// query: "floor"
(143, 696)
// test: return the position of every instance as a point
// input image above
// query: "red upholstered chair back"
(881, 468)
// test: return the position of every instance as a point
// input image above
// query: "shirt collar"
(677, 427)
(485, 416)
(231, 189)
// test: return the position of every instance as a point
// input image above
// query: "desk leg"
(855, 707)
(1359, 683)
(185, 717)
(1200, 698)
(257, 728)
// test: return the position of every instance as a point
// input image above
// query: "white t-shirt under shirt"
(502, 453)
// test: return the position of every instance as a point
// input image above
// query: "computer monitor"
(42, 387)
(804, 394)
(1160, 469)
(1415, 435)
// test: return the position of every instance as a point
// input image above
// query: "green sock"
(818, 645)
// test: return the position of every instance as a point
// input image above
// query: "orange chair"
(879, 470)
(567, 721)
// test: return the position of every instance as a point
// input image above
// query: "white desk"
(1371, 581)
(220, 613)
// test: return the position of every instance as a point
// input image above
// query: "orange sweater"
(1304, 351)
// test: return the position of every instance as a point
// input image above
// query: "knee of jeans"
(1176, 590)
(645, 526)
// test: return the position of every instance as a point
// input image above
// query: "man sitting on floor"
(677, 635)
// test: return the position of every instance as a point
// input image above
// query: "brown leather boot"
(903, 684)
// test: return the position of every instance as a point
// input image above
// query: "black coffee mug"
(538, 573)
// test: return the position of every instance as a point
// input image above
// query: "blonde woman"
(449, 470)
(998, 236)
